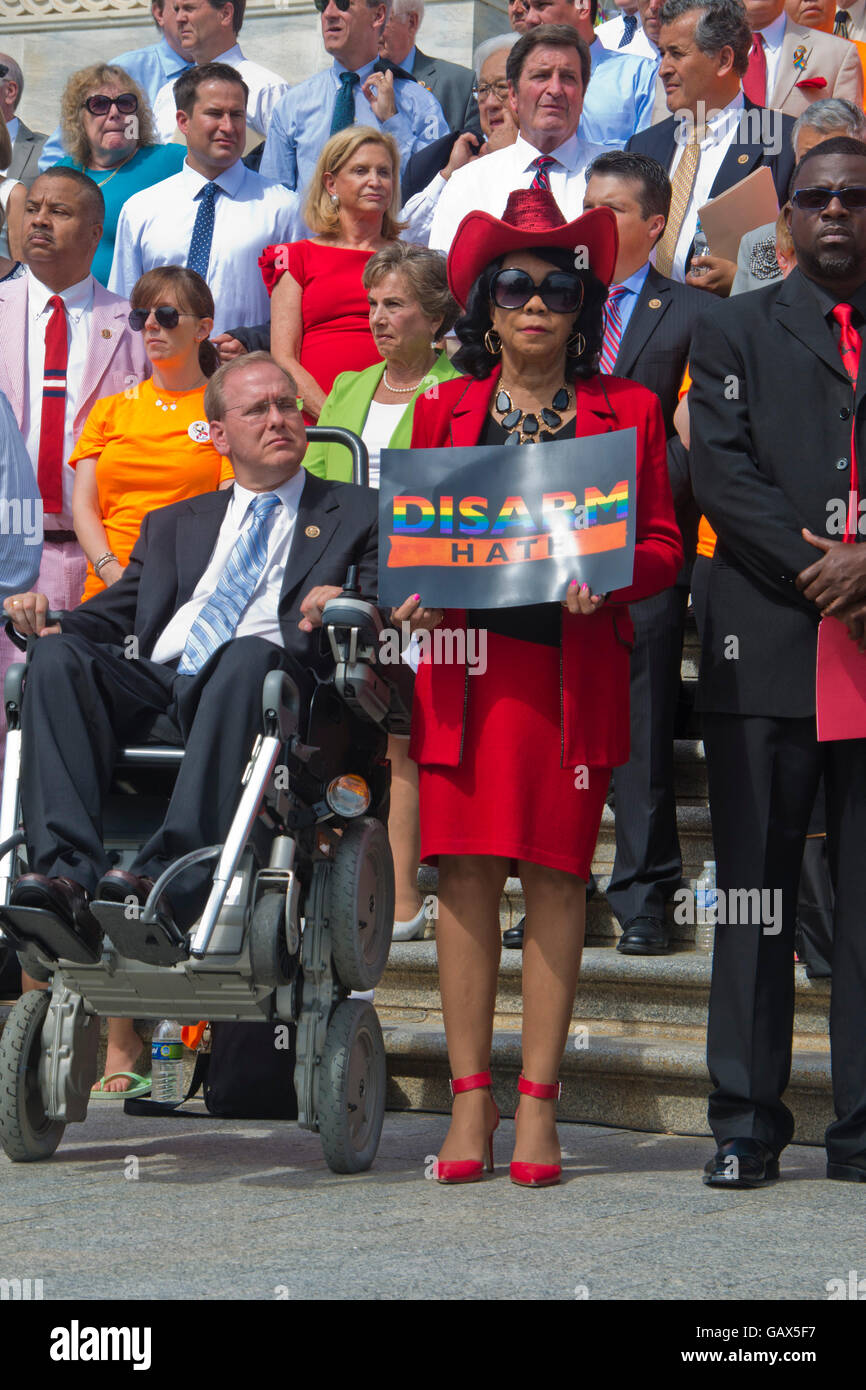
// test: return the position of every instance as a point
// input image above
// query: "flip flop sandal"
(140, 1087)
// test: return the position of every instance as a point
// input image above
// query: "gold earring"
(488, 342)
(576, 344)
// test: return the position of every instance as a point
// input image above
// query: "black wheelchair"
(300, 911)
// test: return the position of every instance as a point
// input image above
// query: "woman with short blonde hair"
(319, 311)
(109, 134)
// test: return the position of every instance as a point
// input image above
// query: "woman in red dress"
(320, 318)
(514, 764)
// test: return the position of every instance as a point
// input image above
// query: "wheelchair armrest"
(13, 689)
(281, 705)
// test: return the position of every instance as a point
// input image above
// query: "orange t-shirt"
(151, 448)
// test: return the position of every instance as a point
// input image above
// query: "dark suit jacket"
(770, 410)
(451, 85)
(743, 155)
(25, 154)
(655, 351)
(175, 546)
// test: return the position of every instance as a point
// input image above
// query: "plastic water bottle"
(701, 248)
(705, 908)
(166, 1070)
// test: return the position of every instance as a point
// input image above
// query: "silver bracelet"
(103, 560)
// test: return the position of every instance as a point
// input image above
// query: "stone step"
(630, 1081)
(649, 995)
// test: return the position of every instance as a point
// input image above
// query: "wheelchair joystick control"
(351, 588)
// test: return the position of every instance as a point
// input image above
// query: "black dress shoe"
(118, 885)
(645, 936)
(513, 938)
(852, 1171)
(64, 898)
(742, 1163)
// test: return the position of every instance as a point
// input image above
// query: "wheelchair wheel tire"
(352, 1082)
(271, 961)
(26, 1132)
(361, 904)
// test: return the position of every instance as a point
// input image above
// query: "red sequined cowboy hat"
(531, 219)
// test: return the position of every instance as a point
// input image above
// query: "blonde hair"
(320, 215)
(784, 240)
(83, 84)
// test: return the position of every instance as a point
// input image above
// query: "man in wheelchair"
(220, 590)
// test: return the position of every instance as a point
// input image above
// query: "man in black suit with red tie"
(648, 334)
(778, 439)
(715, 136)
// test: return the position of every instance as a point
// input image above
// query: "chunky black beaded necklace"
(528, 429)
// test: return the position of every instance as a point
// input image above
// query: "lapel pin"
(312, 532)
(742, 159)
(106, 332)
(655, 304)
(801, 57)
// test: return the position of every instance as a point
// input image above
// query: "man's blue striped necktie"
(218, 619)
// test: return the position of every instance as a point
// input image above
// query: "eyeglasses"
(286, 405)
(486, 89)
(100, 105)
(166, 316)
(816, 199)
(561, 292)
(322, 5)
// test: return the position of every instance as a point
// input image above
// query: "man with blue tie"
(219, 590)
(358, 88)
(216, 215)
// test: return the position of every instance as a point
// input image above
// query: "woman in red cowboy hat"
(514, 764)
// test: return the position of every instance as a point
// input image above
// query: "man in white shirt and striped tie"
(219, 590)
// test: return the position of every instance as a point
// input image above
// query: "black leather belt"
(60, 536)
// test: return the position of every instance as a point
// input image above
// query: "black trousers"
(84, 700)
(763, 778)
(648, 866)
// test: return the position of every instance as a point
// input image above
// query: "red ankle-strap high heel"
(454, 1170)
(537, 1174)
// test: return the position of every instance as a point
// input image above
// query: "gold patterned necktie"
(682, 183)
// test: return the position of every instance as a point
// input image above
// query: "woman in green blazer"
(410, 309)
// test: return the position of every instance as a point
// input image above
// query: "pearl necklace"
(402, 390)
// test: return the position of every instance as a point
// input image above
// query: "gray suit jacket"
(451, 85)
(25, 154)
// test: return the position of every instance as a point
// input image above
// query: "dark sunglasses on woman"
(100, 105)
(817, 199)
(166, 316)
(561, 292)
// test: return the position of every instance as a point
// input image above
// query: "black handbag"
(247, 1074)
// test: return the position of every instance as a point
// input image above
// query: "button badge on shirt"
(199, 431)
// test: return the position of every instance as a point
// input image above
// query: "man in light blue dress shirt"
(20, 509)
(302, 119)
(618, 101)
(150, 67)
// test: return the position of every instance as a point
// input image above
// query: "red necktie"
(850, 343)
(755, 80)
(541, 166)
(612, 330)
(49, 469)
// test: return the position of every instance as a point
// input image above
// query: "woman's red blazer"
(595, 650)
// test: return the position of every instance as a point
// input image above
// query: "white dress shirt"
(155, 229)
(773, 36)
(641, 44)
(485, 184)
(260, 617)
(721, 130)
(266, 88)
(78, 300)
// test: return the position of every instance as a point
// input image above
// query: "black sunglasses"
(322, 5)
(561, 292)
(166, 316)
(816, 199)
(100, 105)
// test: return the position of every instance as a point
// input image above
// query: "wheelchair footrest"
(55, 938)
(153, 943)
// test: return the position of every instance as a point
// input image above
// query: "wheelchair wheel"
(352, 1080)
(26, 1132)
(273, 963)
(361, 904)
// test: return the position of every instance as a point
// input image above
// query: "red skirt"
(510, 797)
